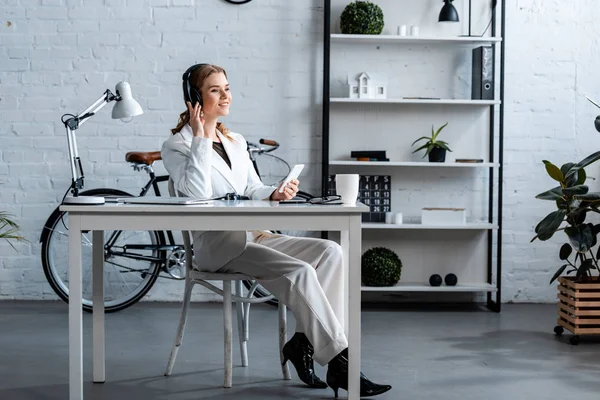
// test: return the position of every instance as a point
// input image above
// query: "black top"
(221, 150)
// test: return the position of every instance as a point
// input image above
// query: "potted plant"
(8, 228)
(362, 18)
(580, 255)
(435, 149)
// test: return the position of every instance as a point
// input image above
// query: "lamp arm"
(73, 124)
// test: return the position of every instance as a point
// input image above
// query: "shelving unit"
(461, 40)
(472, 249)
(415, 164)
(457, 102)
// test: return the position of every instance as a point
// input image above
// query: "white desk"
(221, 216)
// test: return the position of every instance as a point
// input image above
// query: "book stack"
(375, 191)
(369, 155)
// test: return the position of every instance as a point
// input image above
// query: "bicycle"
(133, 260)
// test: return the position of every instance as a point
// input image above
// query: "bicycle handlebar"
(269, 142)
(254, 148)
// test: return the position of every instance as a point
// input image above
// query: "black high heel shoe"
(299, 351)
(337, 377)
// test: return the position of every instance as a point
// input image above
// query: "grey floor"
(450, 353)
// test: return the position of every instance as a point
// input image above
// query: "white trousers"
(307, 275)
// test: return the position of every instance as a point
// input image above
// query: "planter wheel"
(558, 330)
(574, 340)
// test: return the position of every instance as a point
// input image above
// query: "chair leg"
(239, 307)
(182, 320)
(282, 339)
(227, 333)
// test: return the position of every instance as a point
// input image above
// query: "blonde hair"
(197, 79)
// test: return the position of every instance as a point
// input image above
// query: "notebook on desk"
(161, 200)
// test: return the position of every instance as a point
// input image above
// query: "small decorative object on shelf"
(451, 280)
(362, 18)
(435, 280)
(469, 160)
(367, 86)
(380, 266)
(443, 216)
(435, 149)
(369, 155)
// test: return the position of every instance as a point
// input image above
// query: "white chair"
(242, 303)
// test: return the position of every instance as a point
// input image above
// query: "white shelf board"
(467, 226)
(425, 287)
(414, 164)
(340, 37)
(462, 102)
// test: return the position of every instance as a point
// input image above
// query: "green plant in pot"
(380, 266)
(362, 18)
(434, 148)
(574, 203)
(8, 228)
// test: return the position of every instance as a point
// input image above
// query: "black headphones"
(190, 93)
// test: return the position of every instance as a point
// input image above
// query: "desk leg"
(345, 243)
(98, 306)
(354, 304)
(75, 312)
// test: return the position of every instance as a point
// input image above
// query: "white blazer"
(198, 171)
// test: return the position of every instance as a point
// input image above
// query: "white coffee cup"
(346, 186)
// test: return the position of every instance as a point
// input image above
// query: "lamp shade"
(448, 12)
(126, 107)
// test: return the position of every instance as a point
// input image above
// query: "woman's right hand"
(196, 120)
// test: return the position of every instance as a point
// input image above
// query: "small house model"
(367, 86)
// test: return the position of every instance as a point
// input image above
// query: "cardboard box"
(443, 216)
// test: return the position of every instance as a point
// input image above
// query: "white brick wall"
(58, 56)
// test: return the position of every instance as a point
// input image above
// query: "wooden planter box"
(579, 306)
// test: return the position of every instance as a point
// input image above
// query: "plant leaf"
(421, 148)
(558, 273)
(582, 176)
(554, 172)
(578, 189)
(439, 130)
(566, 168)
(421, 138)
(583, 269)
(592, 197)
(580, 237)
(552, 194)
(589, 159)
(548, 226)
(565, 251)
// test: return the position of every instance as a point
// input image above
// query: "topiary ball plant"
(362, 18)
(380, 266)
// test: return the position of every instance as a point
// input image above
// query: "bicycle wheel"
(272, 169)
(132, 260)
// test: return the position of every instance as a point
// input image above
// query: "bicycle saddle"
(142, 157)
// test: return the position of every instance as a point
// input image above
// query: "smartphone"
(294, 174)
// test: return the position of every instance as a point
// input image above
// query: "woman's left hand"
(289, 192)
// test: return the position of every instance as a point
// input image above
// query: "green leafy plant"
(431, 142)
(574, 202)
(362, 18)
(380, 266)
(8, 228)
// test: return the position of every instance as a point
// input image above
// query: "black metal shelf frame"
(493, 302)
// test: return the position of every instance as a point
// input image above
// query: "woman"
(206, 160)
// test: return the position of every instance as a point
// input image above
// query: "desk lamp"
(124, 109)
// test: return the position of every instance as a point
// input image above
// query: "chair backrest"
(187, 237)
